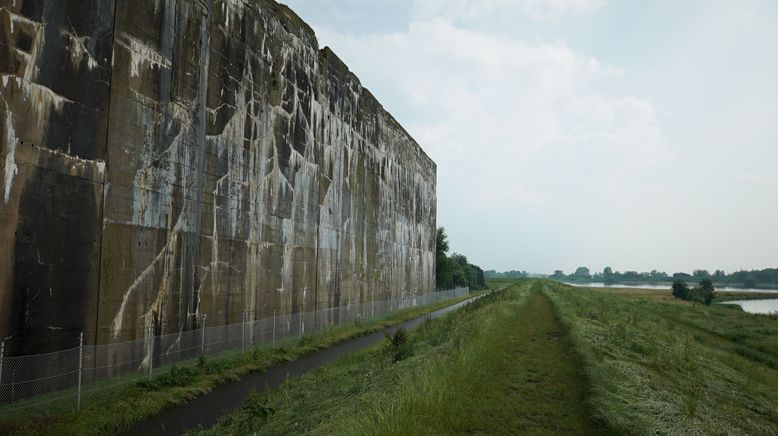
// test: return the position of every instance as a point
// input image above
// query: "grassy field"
(536, 358)
(729, 296)
(657, 365)
(118, 409)
(545, 358)
(502, 364)
(666, 294)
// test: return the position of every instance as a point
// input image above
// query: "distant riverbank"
(643, 285)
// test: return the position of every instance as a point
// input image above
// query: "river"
(757, 306)
(665, 287)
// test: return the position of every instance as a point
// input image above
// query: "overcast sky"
(627, 133)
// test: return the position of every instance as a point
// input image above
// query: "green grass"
(729, 296)
(656, 365)
(536, 358)
(502, 364)
(115, 409)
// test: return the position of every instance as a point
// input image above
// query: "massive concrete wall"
(163, 160)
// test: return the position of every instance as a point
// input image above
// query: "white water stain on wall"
(10, 169)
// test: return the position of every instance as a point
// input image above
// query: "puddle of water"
(757, 306)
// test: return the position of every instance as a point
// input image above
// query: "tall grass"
(133, 402)
(360, 385)
(439, 394)
(660, 367)
(500, 365)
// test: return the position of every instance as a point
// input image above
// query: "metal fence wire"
(64, 380)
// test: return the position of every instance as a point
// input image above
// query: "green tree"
(479, 281)
(657, 275)
(558, 275)
(631, 275)
(453, 271)
(441, 243)
(682, 276)
(447, 273)
(681, 290)
(749, 283)
(461, 269)
(582, 272)
(706, 291)
(607, 276)
(467, 274)
(443, 268)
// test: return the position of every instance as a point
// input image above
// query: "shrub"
(706, 291)
(399, 347)
(257, 406)
(681, 290)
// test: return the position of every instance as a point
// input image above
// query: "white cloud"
(549, 157)
(510, 123)
(498, 10)
(467, 92)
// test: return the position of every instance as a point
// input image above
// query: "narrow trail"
(547, 388)
(207, 409)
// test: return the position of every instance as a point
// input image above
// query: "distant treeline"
(492, 274)
(767, 278)
(453, 271)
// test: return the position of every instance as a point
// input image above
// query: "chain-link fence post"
(251, 330)
(202, 343)
(80, 367)
(151, 354)
(2, 353)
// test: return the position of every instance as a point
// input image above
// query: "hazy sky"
(631, 133)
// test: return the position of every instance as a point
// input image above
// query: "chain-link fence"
(63, 380)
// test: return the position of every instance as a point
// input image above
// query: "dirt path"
(514, 371)
(207, 409)
(546, 388)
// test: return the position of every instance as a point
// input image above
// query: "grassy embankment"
(661, 365)
(668, 283)
(564, 360)
(119, 408)
(620, 362)
(666, 294)
(502, 364)
(730, 296)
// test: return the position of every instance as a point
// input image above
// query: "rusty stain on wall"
(163, 160)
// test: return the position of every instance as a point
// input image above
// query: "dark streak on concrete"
(162, 160)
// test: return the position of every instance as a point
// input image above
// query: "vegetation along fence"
(63, 380)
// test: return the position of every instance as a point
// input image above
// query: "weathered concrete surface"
(54, 83)
(163, 160)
